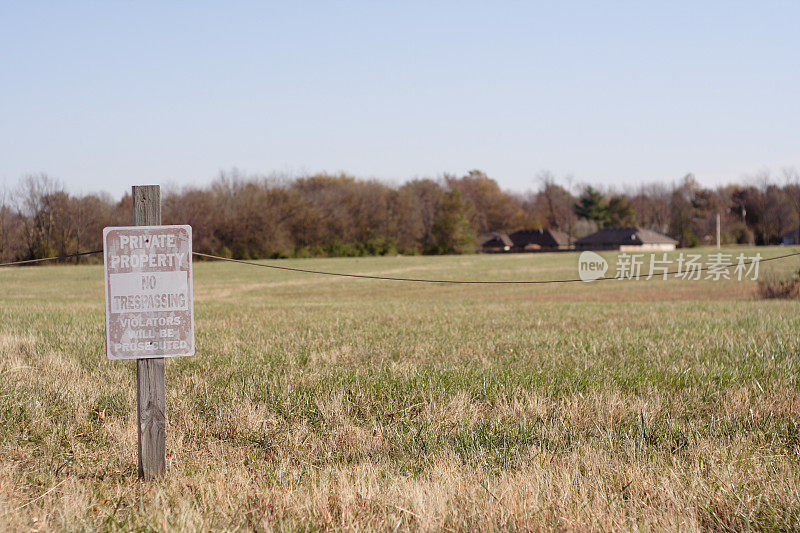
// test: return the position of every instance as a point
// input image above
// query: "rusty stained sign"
(149, 300)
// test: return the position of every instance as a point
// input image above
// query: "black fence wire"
(660, 275)
(54, 258)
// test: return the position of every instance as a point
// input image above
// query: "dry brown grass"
(772, 285)
(363, 407)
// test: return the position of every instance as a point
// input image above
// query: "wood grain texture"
(150, 412)
(146, 205)
(150, 387)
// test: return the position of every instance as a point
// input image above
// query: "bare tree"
(791, 177)
(557, 202)
(651, 203)
(38, 221)
(10, 226)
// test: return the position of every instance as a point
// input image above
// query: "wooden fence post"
(150, 393)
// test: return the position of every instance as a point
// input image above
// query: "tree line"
(251, 217)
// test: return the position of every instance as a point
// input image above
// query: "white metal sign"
(149, 301)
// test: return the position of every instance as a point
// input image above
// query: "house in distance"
(494, 243)
(791, 237)
(626, 239)
(527, 240)
(539, 240)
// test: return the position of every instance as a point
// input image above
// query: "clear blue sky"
(103, 95)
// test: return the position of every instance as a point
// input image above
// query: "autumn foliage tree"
(339, 215)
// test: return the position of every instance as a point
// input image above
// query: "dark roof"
(546, 238)
(626, 235)
(496, 239)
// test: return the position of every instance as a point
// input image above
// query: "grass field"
(319, 403)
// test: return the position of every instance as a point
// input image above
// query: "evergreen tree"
(620, 212)
(592, 206)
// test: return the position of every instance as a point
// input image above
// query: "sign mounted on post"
(149, 300)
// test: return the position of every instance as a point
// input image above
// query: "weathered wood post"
(150, 394)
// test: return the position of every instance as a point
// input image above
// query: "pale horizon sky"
(104, 95)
